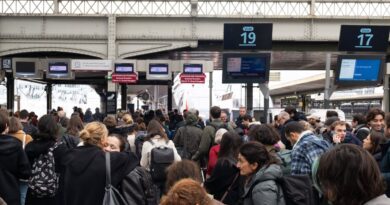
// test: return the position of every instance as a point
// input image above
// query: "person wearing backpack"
(208, 134)
(158, 152)
(14, 164)
(187, 138)
(261, 171)
(43, 183)
(84, 167)
(307, 148)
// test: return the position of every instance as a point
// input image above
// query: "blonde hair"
(186, 192)
(127, 119)
(94, 133)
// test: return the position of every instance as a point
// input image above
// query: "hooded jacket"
(189, 135)
(266, 191)
(85, 173)
(13, 166)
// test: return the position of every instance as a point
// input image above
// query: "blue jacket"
(385, 164)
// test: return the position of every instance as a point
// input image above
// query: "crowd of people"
(179, 159)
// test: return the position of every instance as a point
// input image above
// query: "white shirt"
(147, 148)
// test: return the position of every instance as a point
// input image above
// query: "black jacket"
(138, 188)
(13, 166)
(222, 177)
(85, 173)
(33, 150)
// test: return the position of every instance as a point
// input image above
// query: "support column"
(249, 97)
(328, 88)
(211, 89)
(10, 91)
(111, 51)
(124, 97)
(169, 97)
(56, 6)
(386, 89)
(265, 90)
(49, 88)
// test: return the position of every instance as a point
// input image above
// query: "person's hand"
(336, 138)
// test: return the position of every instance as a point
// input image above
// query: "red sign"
(192, 79)
(124, 78)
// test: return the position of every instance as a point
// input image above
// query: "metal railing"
(201, 8)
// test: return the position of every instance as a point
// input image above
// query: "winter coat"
(85, 173)
(213, 158)
(33, 150)
(380, 200)
(14, 165)
(267, 191)
(138, 188)
(207, 139)
(222, 178)
(190, 135)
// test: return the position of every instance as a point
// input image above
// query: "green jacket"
(207, 139)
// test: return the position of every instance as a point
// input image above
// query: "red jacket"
(213, 157)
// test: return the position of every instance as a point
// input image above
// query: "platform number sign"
(247, 36)
(364, 38)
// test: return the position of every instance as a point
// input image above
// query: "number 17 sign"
(247, 36)
(364, 38)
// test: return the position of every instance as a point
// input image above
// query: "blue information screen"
(359, 69)
(246, 66)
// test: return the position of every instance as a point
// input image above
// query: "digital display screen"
(359, 69)
(124, 68)
(27, 68)
(158, 69)
(366, 38)
(58, 68)
(246, 68)
(193, 68)
(247, 36)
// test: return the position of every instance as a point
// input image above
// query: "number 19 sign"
(247, 36)
(364, 38)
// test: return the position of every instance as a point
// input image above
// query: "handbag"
(230, 187)
(111, 196)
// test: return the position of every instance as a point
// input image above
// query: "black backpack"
(297, 190)
(160, 158)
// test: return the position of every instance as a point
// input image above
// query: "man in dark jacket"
(28, 128)
(208, 134)
(240, 117)
(188, 137)
(359, 123)
(14, 164)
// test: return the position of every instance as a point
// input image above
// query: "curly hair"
(266, 134)
(186, 192)
(180, 170)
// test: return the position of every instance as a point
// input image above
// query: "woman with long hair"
(225, 182)
(261, 171)
(42, 145)
(156, 137)
(372, 143)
